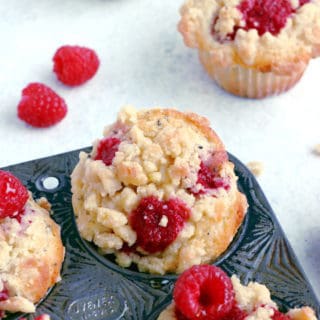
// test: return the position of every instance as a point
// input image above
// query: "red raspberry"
(13, 196)
(40, 106)
(303, 2)
(279, 316)
(41, 317)
(236, 314)
(152, 236)
(203, 292)
(107, 149)
(75, 65)
(209, 178)
(4, 294)
(264, 16)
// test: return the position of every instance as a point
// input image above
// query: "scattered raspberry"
(210, 179)
(145, 220)
(107, 149)
(279, 316)
(40, 106)
(13, 196)
(203, 292)
(303, 2)
(75, 65)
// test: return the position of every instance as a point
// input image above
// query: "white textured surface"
(144, 63)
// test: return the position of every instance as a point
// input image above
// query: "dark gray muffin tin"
(94, 287)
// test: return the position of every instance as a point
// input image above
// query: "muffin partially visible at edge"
(158, 191)
(253, 48)
(206, 292)
(31, 250)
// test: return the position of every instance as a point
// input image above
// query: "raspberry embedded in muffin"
(203, 292)
(167, 197)
(31, 249)
(206, 292)
(13, 195)
(253, 48)
(107, 149)
(158, 223)
(264, 16)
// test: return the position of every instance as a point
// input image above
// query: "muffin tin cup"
(94, 287)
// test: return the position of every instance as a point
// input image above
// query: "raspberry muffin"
(31, 250)
(206, 292)
(158, 191)
(253, 48)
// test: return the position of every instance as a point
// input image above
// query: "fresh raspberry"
(75, 65)
(13, 196)
(40, 106)
(203, 292)
(107, 149)
(279, 316)
(153, 235)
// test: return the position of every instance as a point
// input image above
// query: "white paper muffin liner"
(249, 82)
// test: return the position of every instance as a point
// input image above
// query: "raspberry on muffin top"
(206, 292)
(262, 34)
(158, 190)
(31, 250)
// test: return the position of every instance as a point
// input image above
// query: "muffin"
(253, 48)
(31, 250)
(158, 191)
(206, 292)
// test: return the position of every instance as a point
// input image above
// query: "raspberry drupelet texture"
(74, 65)
(203, 292)
(158, 223)
(13, 196)
(40, 106)
(263, 16)
(107, 149)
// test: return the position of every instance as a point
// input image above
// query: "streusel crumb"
(256, 167)
(158, 191)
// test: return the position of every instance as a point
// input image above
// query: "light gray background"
(144, 63)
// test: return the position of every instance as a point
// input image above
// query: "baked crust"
(286, 53)
(159, 156)
(31, 257)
